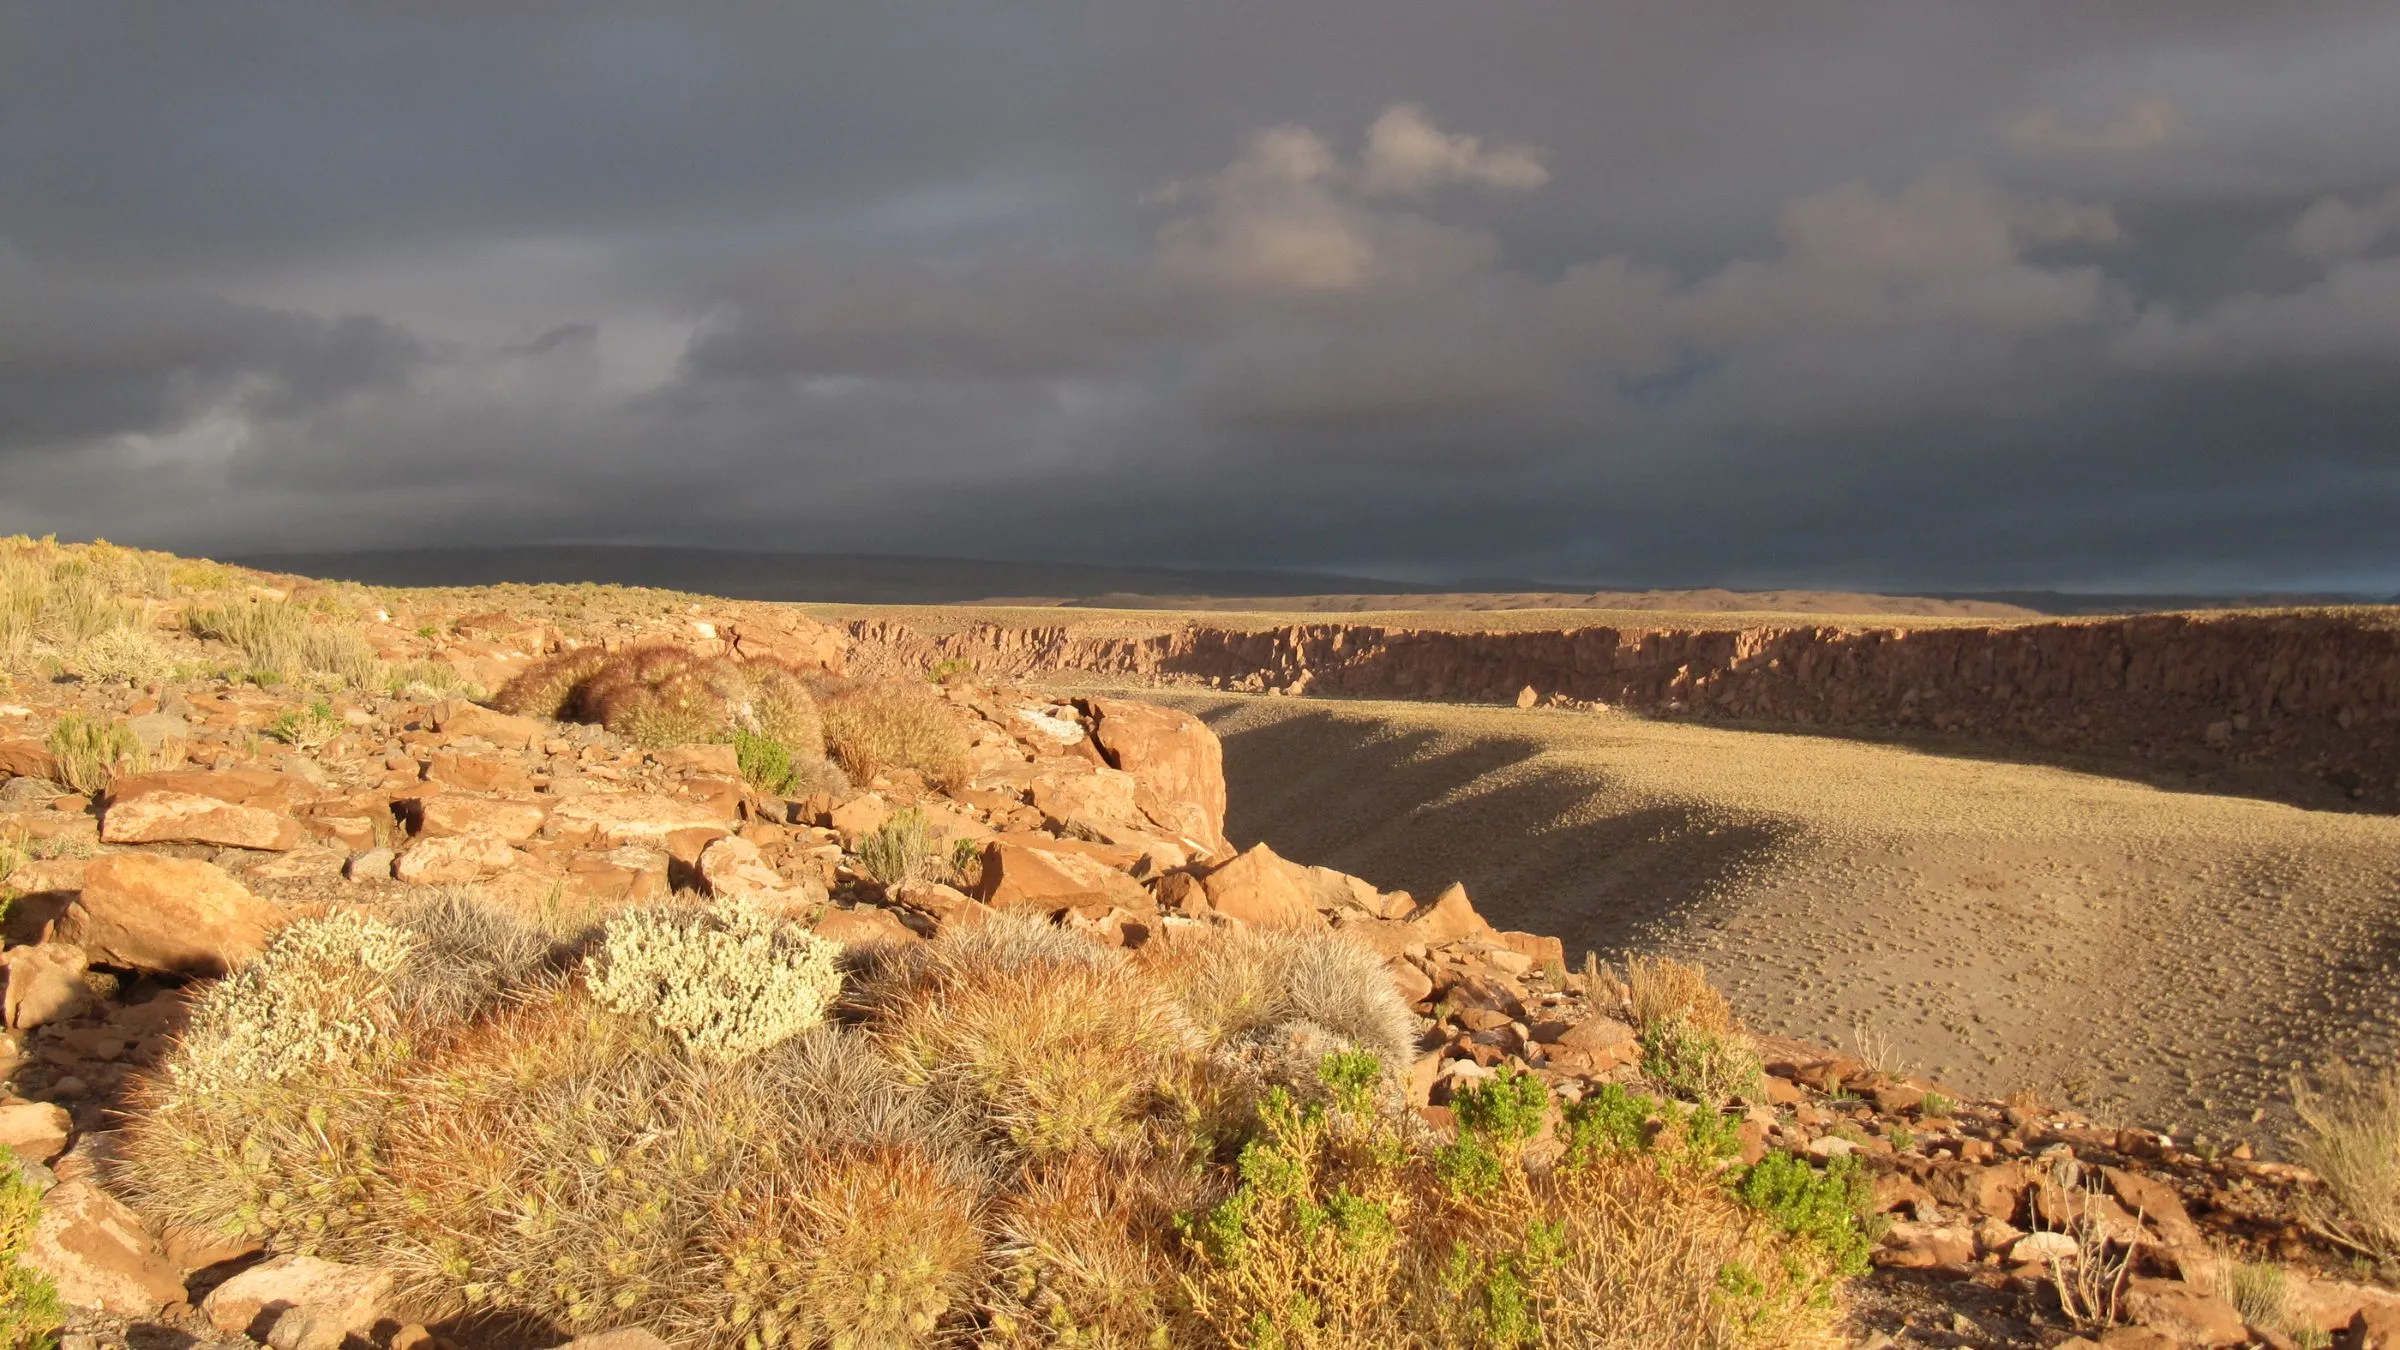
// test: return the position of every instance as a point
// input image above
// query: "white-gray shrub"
(319, 996)
(728, 981)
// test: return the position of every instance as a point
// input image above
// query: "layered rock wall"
(2317, 693)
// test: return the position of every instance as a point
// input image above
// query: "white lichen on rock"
(727, 981)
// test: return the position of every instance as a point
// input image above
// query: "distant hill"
(841, 578)
(880, 579)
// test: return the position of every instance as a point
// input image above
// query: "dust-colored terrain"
(2170, 956)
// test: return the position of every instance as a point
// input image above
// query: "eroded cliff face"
(2315, 692)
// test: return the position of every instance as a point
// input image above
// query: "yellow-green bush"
(874, 728)
(90, 754)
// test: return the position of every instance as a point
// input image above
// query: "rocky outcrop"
(2313, 691)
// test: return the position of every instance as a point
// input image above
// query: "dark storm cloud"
(1890, 294)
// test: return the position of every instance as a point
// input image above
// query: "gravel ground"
(2164, 957)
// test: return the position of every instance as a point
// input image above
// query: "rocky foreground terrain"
(195, 760)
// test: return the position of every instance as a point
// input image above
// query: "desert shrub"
(30, 1310)
(1826, 1209)
(873, 728)
(91, 753)
(24, 588)
(424, 680)
(851, 1247)
(286, 641)
(1086, 1252)
(1238, 982)
(1697, 1064)
(1058, 1043)
(122, 656)
(319, 995)
(727, 982)
(1662, 988)
(548, 689)
(1002, 1144)
(2349, 1135)
(766, 763)
(80, 606)
(306, 727)
(900, 850)
(1334, 1233)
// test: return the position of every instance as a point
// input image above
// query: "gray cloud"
(1908, 294)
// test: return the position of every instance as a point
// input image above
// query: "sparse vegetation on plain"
(1000, 1131)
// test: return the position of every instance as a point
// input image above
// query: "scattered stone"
(453, 860)
(37, 1131)
(1261, 888)
(174, 915)
(299, 1302)
(99, 1256)
(45, 984)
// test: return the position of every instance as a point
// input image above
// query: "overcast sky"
(1777, 292)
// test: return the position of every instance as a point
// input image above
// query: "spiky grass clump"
(900, 850)
(548, 689)
(2350, 1135)
(122, 656)
(1060, 1044)
(1239, 983)
(660, 696)
(289, 641)
(872, 1246)
(875, 728)
(1086, 1251)
(727, 982)
(90, 754)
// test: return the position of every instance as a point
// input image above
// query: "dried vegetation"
(1009, 1136)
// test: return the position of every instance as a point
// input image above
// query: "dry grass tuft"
(289, 641)
(1240, 984)
(1059, 1048)
(91, 754)
(1659, 988)
(875, 728)
(122, 656)
(2350, 1136)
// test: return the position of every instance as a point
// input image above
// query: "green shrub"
(306, 727)
(766, 763)
(90, 754)
(1824, 1208)
(30, 1310)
